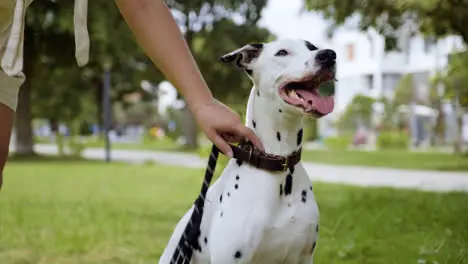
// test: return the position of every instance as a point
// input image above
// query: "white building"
(364, 67)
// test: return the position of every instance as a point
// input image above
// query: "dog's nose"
(326, 56)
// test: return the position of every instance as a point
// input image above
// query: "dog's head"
(289, 72)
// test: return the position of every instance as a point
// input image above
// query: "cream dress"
(12, 22)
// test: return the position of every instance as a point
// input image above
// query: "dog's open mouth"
(304, 94)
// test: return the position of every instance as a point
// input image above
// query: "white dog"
(258, 216)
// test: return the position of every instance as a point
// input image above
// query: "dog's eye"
(281, 53)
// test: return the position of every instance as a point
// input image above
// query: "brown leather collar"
(246, 152)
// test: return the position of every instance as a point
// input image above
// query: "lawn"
(79, 212)
(390, 158)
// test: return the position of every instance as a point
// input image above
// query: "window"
(428, 44)
(371, 46)
(370, 81)
(350, 51)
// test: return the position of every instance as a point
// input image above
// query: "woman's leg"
(6, 124)
(9, 88)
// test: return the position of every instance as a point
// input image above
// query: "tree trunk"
(24, 134)
(458, 142)
(438, 132)
(23, 124)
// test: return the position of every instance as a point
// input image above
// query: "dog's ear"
(243, 56)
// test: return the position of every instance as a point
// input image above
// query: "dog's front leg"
(235, 235)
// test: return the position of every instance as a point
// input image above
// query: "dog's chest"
(283, 207)
(293, 227)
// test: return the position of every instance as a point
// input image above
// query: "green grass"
(78, 212)
(390, 158)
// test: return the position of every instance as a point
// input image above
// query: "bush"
(393, 140)
(310, 130)
(339, 142)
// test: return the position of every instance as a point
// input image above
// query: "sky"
(283, 18)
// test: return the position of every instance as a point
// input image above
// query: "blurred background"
(389, 165)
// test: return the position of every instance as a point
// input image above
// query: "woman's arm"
(157, 32)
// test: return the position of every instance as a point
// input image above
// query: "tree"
(62, 91)
(456, 90)
(208, 26)
(358, 111)
(58, 88)
(432, 17)
(404, 91)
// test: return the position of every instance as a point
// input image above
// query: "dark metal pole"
(107, 111)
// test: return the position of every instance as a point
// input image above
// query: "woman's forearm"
(157, 32)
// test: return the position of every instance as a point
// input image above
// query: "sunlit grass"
(78, 212)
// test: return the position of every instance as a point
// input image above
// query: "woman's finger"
(250, 135)
(221, 144)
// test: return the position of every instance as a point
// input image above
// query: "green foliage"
(310, 129)
(404, 91)
(228, 83)
(63, 91)
(327, 89)
(338, 142)
(433, 17)
(456, 78)
(393, 140)
(359, 110)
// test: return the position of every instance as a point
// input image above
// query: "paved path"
(353, 175)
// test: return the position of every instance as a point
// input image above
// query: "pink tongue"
(313, 101)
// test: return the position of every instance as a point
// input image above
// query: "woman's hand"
(222, 126)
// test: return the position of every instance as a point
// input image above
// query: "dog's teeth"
(294, 95)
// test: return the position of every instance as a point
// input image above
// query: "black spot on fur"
(313, 247)
(310, 46)
(288, 185)
(239, 162)
(299, 136)
(236, 186)
(258, 93)
(304, 196)
(254, 124)
(256, 45)
(316, 229)
(238, 254)
(279, 110)
(221, 214)
(289, 205)
(291, 169)
(229, 195)
(237, 177)
(278, 136)
(205, 240)
(281, 189)
(310, 187)
(196, 244)
(221, 198)
(249, 71)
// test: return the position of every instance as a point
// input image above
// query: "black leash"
(189, 239)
